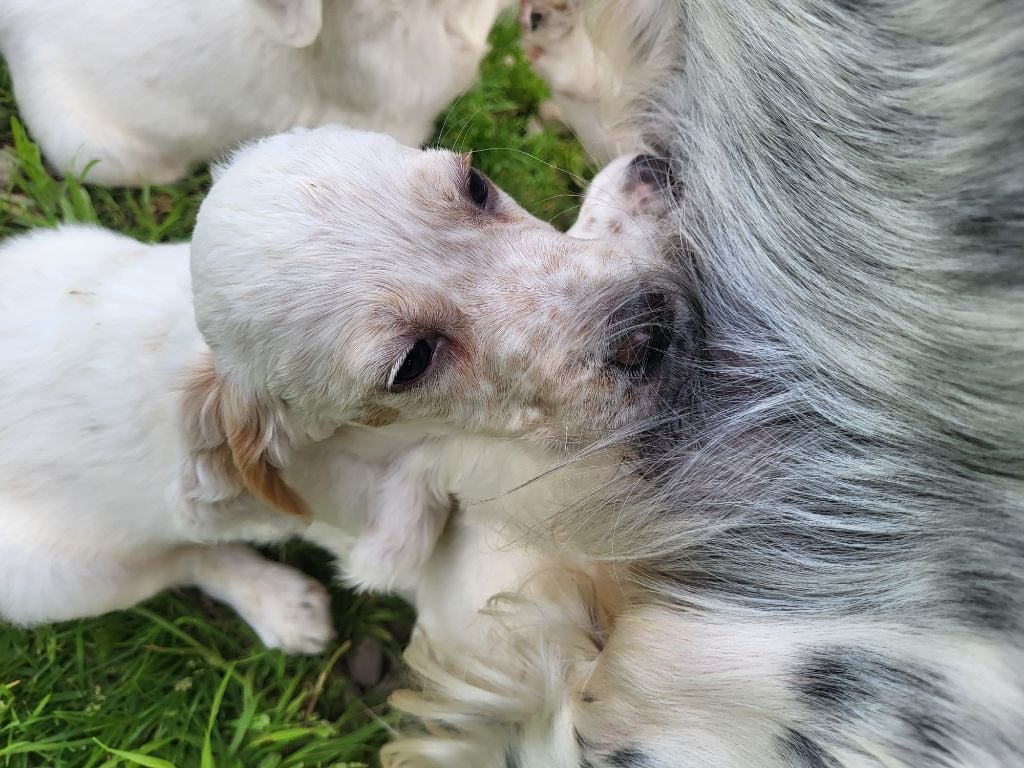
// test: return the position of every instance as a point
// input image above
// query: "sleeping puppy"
(375, 330)
(151, 89)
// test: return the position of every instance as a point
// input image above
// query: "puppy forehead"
(391, 168)
(392, 190)
(333, 157)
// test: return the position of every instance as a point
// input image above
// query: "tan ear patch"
(231, 441)
(262, 478)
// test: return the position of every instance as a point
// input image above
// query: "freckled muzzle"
(641, 333)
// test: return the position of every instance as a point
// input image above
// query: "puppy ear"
(253, 434)
(230, 440)
(293, 22)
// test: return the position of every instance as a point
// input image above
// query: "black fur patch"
(798, 751)
(840, 679)
(513, 752)
(995, 224)
(628, 757)
(928, 731)
(854, 684)
(584, 746)
(988, 598)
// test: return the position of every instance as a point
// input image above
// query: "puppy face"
(347, 278)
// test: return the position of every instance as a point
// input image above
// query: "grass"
(180, 681)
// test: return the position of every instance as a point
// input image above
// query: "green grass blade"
(218, 698)
(137, 758)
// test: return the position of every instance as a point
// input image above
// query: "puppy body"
(150, 90)
(133, 459)
(91, 491)
(95, 510)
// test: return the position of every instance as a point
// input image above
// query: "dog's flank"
(832, 517)
(864, 341)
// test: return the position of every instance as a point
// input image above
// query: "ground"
(181, 682)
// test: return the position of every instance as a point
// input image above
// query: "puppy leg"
(554, 39)
(287, 609)
(73, 134)
(407, 513)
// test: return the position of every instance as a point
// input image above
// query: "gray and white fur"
(820, 561)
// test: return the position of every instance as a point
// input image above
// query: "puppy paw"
(405, 518)
(389, 560)
(291, 611)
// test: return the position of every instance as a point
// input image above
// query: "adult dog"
(821, 560)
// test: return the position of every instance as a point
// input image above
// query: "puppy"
(821, 563)
(374, 330)
(601, 60)
(147, 91)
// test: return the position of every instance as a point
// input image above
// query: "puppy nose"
(641, 333)
(651, 171)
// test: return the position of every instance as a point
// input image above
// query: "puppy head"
(340, 277)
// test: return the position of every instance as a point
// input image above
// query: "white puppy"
(603, 60)
(150, 90)
(374, 324)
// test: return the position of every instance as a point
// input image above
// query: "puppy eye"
(478, 188)
(536, 19)
(415, 365)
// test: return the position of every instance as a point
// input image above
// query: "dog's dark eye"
(416, 363)
(535, 20)
(479, 189)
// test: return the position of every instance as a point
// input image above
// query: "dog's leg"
(555, 40)
(287, 609)
(74, 134)
(407, 512)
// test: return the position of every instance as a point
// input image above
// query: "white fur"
(118, 474)
(151, 89)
